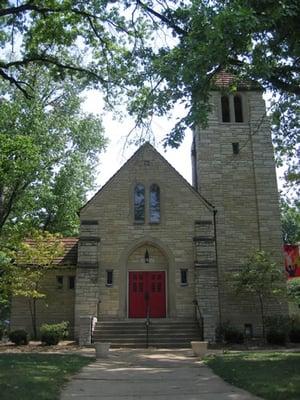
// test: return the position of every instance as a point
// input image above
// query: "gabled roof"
(69, 256)
(133, 157)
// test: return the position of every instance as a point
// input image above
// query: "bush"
(294, 335)
(1, 333)
(19, 337)
(276, 337)
(50, 338)
(277, 328)
(233, 335)
(51, 334)
(229, 334)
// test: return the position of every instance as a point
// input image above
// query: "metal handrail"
(200, 319)
(147, 324)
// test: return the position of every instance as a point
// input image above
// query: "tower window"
(184, 277)
(225, 109)
(109, 277)
(238, 108)
(235, 148)
(139, 203)
(71, 282)
(154, 204)
(59, 281)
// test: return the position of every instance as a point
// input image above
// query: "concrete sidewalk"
(150, 374)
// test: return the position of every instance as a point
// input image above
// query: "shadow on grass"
(270, 375)
(36, 376)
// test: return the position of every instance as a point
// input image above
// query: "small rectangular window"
(248, 331)
(184, 277)
(59, 281)
(235, 148)
(71, 282)
(109, 277)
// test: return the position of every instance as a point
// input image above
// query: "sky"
(117, 153)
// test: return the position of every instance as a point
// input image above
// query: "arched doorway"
(147, 282)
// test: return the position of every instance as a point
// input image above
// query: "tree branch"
(15, 82)
(164, 19)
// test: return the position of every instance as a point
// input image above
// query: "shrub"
(51, 334)
(19, 337)
(1, 333)
(50, 338)
(276, 337)
(233, 335)
(277, 328)
(294, 335)
(229, 334)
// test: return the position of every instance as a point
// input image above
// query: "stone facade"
(204, 232)
(57, 306)
(122, 243)
(243, 189)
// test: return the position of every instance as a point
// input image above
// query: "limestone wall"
(57, 306)
(122, 242)
(243, 189)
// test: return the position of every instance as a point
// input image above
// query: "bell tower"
(233, 168)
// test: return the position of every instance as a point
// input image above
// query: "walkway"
(150, 374)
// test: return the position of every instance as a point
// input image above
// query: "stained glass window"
(139, 203)
(154, 203)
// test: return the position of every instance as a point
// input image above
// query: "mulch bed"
(38, 347)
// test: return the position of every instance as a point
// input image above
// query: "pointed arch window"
(139, 203)
(225, 109)
(238, 108)
(154, 203)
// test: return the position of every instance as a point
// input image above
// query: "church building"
(153, 247)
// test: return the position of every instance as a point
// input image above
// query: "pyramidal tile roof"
(224, 79)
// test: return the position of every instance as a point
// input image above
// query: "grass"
(270, 375)
(36, 376)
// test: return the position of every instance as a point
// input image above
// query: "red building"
(292, 260)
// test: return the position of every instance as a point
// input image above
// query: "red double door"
(147, 294)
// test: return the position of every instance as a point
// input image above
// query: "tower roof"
(224, 80)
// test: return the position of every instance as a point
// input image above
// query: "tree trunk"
(262, 312)
(32, 308)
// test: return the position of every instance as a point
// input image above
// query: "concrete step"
(162, 333)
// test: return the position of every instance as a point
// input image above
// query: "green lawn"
(36, 376)
(270, 375)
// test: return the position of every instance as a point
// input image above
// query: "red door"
(147, 293)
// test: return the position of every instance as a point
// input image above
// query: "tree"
(91, 40)
(293, 290)
(28, 265)
(290, 221)
(48, 149)
(123, 48)
(259, 276)
(152, 55)
(286, 133)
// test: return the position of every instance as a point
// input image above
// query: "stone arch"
(161, 258)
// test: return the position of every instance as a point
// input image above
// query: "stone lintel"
(203, 239)
(89, 239)
(88, 222)
(85, 265)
